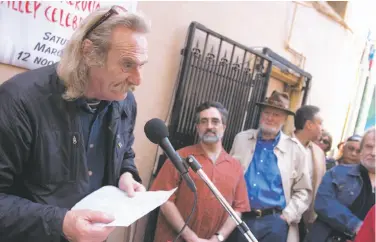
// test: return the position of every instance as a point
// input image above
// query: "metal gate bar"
(216, 68)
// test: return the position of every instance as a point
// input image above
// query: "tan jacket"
(294, 171)
(317, 173)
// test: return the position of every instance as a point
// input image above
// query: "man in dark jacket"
(345, 196)
(67, 129)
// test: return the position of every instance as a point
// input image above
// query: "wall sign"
(33, 34)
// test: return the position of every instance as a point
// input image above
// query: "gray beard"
(208, 139)
(270, 131)
(369, 167)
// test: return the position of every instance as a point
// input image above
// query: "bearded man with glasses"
(67, 129)
(210, 221)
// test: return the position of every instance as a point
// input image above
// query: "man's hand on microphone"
(79, 226)
(129, 185)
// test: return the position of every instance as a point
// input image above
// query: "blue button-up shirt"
(94, 124)
(263, 178)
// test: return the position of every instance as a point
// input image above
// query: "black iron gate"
(216, 68)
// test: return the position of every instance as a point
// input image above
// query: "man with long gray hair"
(67, 129)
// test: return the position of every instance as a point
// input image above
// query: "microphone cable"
(189, 216)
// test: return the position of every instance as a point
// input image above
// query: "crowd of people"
(287, 190)
(67, 129)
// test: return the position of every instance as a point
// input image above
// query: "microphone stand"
(196, 167)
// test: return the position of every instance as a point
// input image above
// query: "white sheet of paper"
(126, 210)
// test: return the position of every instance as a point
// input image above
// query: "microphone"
(156, 131)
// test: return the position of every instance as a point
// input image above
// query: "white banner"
(33, 34)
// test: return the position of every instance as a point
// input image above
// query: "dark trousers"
(302, 231)
(269, 228)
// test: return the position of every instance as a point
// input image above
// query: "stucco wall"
(331, 52)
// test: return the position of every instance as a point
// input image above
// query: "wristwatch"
(220, 237)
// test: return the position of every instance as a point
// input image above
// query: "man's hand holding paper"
(126, 210)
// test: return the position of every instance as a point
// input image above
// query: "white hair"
(369, 131)
(72, 69)
(370, 165)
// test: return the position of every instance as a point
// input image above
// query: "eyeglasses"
(114, 10)
(352, 149)
(206, 121)
(325, 141)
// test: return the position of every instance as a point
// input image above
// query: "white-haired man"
(276, 173)
(67, 129)
(345, 195)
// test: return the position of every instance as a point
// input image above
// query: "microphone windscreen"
(155, 129)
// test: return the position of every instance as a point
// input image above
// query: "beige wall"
(331, 56)
(331, 52)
